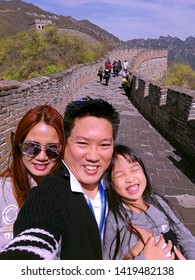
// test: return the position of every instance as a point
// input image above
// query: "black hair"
(116, 203)
(90, 107)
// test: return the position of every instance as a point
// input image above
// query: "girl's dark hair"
(116, 203)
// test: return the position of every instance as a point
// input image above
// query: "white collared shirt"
(96, 202)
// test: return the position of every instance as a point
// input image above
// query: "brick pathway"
(170, 172)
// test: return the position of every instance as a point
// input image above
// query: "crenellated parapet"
(171, 110)
(151, 64)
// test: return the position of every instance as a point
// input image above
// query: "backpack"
(106, 73)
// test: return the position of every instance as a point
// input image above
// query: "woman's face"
(41, 164)
(129, 180)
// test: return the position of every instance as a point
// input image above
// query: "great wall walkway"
(171, 173)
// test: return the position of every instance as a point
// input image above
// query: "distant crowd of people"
(117, 68)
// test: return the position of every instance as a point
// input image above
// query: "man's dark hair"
(90, 107)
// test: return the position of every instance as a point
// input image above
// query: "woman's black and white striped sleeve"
(38, 228)
(32, 243)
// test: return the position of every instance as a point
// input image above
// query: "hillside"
(17, 16)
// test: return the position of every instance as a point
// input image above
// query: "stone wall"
(170, 109)
(86, 37)
(150, 64)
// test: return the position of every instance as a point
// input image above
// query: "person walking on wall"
(106, 76)
(100, 73)
(129, 79)
(125, 65)
(115, 68)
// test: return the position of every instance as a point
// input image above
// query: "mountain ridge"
(17, 16)
(179, 51)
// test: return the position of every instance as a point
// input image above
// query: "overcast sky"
(130, 19)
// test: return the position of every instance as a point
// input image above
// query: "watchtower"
(41, 23)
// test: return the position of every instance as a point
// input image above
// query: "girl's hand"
(155, 251)
(136, 250)
(178, 254)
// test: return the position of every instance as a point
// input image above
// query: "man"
(125, 65)
(68, 208)
(129, 83)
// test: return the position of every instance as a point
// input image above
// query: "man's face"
(89, 150)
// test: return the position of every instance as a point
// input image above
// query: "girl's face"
(41, 164)
(129, 180)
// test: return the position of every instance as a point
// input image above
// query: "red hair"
(17, 171)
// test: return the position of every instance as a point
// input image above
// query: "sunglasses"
(32, 149)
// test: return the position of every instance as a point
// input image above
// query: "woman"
(37, 150)
(134, 204)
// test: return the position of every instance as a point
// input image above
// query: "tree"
(179, 74)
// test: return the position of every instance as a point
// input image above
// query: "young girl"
(133, 202)
(37, 150)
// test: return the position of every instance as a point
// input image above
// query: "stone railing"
(171, 110)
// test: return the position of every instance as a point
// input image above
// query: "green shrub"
(179, 74)
(35, 53)
(52, 69)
